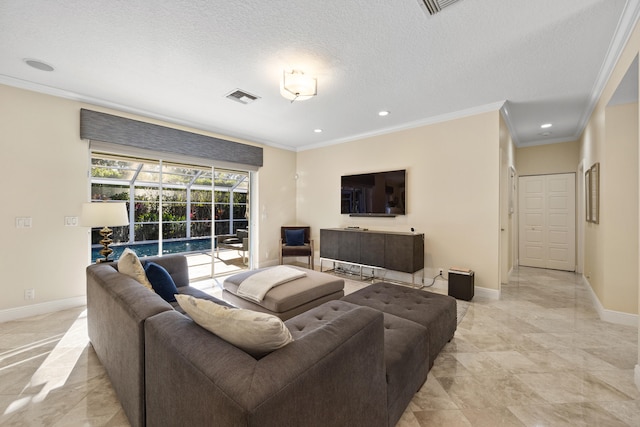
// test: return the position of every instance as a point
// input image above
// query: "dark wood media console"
(373, 249)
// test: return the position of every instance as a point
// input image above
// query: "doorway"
(547, 221)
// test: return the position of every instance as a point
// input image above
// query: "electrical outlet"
(440, 271)
(30, 293)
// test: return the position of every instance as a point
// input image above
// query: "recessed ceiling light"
(383, 113)
(38, 65)
(317, 130)
(547, 133)
(546, 125)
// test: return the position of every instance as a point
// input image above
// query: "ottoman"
(406, 349)
(435, 312)
(289, 299)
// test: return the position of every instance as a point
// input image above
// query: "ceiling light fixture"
(383, 113)
(318, 130)
(38, 65)
(296, 86)
(546, 125)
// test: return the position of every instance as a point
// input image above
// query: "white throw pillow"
(254, 332)
(129, 264)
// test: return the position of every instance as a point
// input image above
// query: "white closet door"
(547, 221)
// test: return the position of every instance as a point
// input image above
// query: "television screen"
(378, 193)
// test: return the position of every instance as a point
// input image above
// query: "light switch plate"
(23, 222)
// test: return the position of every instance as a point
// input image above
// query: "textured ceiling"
(176, 60)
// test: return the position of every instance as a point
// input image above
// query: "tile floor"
(537, 357)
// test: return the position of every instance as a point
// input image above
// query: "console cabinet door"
(329, 243)
(343, 245)
(404, 252)
(372, 249)
(349, 248)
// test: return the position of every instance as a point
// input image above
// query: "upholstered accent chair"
(296, 241)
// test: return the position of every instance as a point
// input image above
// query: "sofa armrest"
(117, 307)
(333, 375)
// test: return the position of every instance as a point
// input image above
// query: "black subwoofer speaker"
(461, 284)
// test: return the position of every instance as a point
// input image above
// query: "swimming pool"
(142, 249)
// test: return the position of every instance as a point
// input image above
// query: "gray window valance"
(104, 127)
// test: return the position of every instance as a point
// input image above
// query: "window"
(174, 206)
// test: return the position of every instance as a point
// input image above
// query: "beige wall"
(276, 202)
(619, 209)
(548, 159)
(45, 166)
(44, 172)
(611, 247)
(600, 142)
(611, 138)
(453, 171)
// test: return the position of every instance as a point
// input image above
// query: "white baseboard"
(487, 293)
(611, 316)
(42, 308)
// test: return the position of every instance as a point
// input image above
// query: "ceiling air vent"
(435, 6)
(241, 96)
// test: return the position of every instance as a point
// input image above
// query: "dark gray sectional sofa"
(349, 364)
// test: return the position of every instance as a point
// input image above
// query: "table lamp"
(105, 215)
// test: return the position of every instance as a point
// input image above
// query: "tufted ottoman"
(435, 312)
(406, 349)
(289, 299)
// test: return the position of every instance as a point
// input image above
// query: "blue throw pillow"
(161, 281)
(294, 237)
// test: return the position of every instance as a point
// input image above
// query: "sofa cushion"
(256, 333)
(161, 281)
(406, 359)
(130, 264)
(294, 237)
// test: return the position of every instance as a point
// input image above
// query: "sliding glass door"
(173, 208)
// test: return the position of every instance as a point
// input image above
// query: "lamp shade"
(104, 214)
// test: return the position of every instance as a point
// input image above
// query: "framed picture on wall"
(587, 195)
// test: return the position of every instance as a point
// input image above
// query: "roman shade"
(107, 128)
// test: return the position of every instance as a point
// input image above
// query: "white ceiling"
(177, 59)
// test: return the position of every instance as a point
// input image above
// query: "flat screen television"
(374, 194)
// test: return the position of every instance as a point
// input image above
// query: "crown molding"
(496, 106)
(626, 25)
